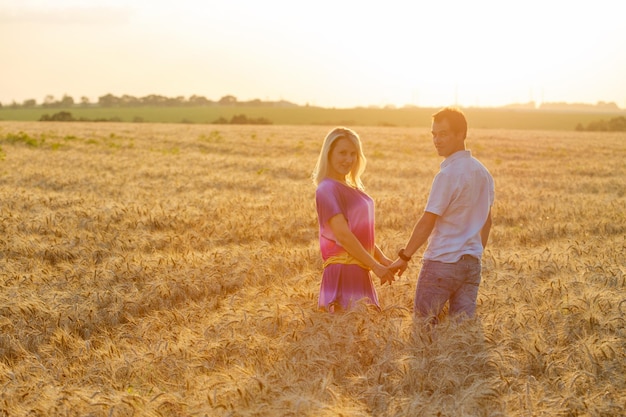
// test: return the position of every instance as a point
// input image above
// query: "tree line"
(238, 119)
(616, 124)
(152, 100)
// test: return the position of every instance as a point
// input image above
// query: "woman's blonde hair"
(321, 168)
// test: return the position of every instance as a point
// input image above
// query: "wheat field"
(173, 270)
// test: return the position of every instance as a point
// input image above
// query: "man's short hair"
(455, 117)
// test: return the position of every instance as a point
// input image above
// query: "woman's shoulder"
(327, 184)
(330, 187)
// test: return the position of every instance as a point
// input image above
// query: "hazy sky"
(327, 53)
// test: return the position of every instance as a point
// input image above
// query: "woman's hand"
(380, 256)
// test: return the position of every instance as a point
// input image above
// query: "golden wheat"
(168, 270)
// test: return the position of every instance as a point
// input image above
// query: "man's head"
(449, 129)
(455, 118)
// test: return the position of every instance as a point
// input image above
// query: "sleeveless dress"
(344, 280)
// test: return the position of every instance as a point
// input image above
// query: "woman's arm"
(351, 244)
(380, 256)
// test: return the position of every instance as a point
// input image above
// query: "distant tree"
(220, 121)
(154, 100)
(84, 101)
(239, 119)
(29, 103)
(66, 101)
(260, 121)
(62, 116)
(284, 103)
(49, 101)
(242, 119)
(598, 126)
(175, 102)
(129, 101)
(227, 100)
(617, 124)
(108, 100)
(604, 105)
(199, 101)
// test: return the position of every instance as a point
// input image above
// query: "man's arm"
(421, 231)
(484, 232)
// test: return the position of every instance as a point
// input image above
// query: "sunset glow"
(324, 53)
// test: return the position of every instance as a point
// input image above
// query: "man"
(456, 222)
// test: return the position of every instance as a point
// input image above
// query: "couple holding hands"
(455, 223)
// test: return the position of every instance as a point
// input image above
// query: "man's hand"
(398, 266)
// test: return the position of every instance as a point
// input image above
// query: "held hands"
(384, 273)
(401, 263)
(387, 269)
(389, 277)
(399, 266)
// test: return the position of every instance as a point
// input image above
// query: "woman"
(346, 225)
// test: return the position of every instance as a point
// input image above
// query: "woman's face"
(342, 158)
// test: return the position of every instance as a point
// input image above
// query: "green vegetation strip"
(489, 118)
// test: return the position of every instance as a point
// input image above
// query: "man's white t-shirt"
(461, 194)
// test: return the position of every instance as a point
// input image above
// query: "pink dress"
(344, 284)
